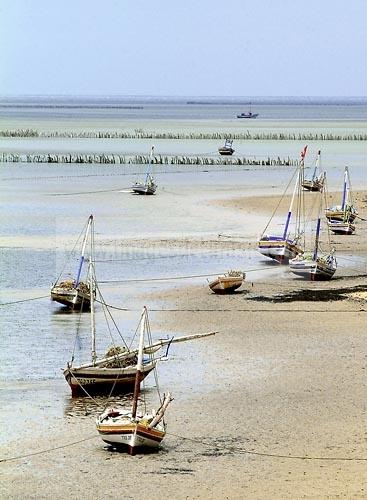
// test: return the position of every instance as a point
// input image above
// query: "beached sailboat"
(74, 293)
(341, 217)
(227, 283)
(148, 186)
(227, 149)
(115, 371)
(316, 183)
(286, 246)
(135, 431)
(315, 265)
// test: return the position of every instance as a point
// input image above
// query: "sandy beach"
(273, 406)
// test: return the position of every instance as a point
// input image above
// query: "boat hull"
(339, 227)
(96, 380)
(225, 284)
(144, 189)
(131, 437)
(340, 215)
(280, 250)
(313, 185)
(226, 151)
(248, 115)
(73, 299)
(312, 270)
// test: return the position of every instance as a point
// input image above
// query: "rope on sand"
(271, 455)
(238, 450)
(169, 278)
(41, 452)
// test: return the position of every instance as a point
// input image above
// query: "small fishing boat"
(148, 186)
(286, 246)
(135, 431)
(316, 183)
(227, 283)
(115, 371)
(248, 114)
(74, 293)
(227, 149)
(341, 217)
(315, 265)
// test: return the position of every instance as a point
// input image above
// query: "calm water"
(189, 108)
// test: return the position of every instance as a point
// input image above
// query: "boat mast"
(317, 165)
(91, 291)
(149, 165)
(90, 220)
(303, 154)
(345, 187)
(290, 210)
(318, 226)
(92, 315)
(139, 364)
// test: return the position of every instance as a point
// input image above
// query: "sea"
(44, 208)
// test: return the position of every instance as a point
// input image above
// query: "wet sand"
(284, 408)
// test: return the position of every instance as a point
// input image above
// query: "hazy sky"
(184, 47)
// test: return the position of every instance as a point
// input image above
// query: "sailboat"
(74, 293)
(227, 149)
(315, 265)
(248, 114)
(148, 186)
(286, 246)
(114, 372)
(316, 183)
(132, 430)
(341, 217)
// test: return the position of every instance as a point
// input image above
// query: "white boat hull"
(144, 189)
(133, 437)
(280, 250)
(318, 270)
(73, 298)
(339, 227)
(120, 430)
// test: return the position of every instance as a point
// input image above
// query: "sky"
(183, 47)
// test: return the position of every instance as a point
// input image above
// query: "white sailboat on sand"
(75, 293)
(316, 183)
(148, 186)
(135, 430)
(315, 264)
(286, 245)
(341, 217)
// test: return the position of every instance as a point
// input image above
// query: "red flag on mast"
(303, 153)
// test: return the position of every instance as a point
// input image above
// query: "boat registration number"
(87, 381)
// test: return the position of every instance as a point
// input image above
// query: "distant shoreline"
(120, 101)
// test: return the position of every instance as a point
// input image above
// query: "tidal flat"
(272, 406)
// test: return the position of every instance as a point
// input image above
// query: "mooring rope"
(24, 300)
(202, 442)
(169, 278)
(271, 455)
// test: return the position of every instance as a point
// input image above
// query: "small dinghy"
(228, 282)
